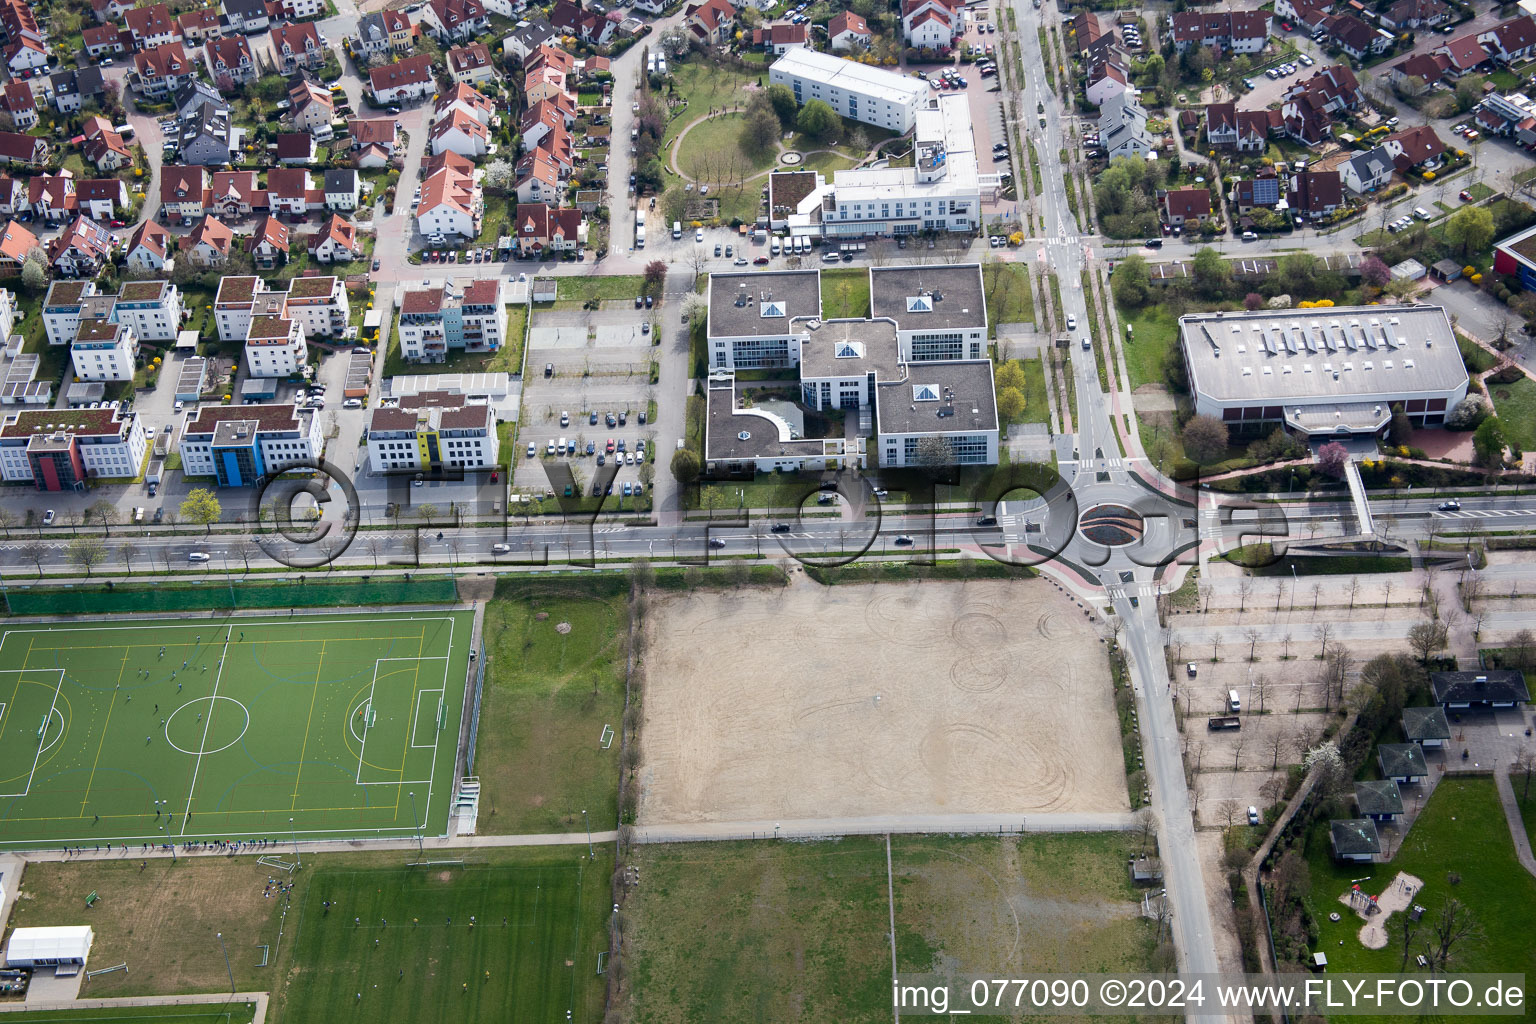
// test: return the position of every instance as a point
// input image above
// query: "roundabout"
(1112, 525)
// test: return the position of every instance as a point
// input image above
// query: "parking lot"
(589, 384)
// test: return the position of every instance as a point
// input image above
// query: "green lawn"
(1473, 356)
(575, 291)
(1156, 336)
(719, 137)
(183, 730)
(828, 162)
(801, 931)
(1516, 407)
(532, 944)
(548, 694)
(703, 86)
(1460, 846)
(1008, 295)
(845, 293)
(206, 1013)
(1037, 407)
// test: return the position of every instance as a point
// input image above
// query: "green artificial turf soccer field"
(213, 728)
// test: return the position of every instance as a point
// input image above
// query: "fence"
(233, 593)
(811, 833)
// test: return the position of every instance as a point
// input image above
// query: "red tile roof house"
(539, 227)
(101, 198)
(1316, 194)
(181, 192)
(149, 248)
(1181, 205)
(103, 146)
(472, 63)
(234, 195)
(209, 243)
(1420, 72)
(1263, 192)
(454, 21)
(587, 25)
(290, 190)
(268, 244)
(152, 26)
(51, 197)
(297, 46)
(230, 62)
(161, 71)
(200, 25)
(1227, 31)
(1305, 121)
(1410, 14)
(1417, 148)
(295, 148)
(1510, 40)
(106, 41)
(410, 78)
(15, 242)
(81, 249)
(711, 22)
(21, 149)
(1334, 89)
(18, 107)
(781, 37)
(848, 31)
(336, 242)
(1466, 54)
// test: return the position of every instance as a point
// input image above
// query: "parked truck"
(1224, 722)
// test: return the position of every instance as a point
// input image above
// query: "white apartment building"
(7, 314)
(435, 320)
(432, 430)
(319, 303)
(241, 445)
(151, 308)
(857, 91)
(60, 449)
(942, 191)
(105, 351)
(274, 347)
(1323, 373)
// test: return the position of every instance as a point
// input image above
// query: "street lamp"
(588, 822)
(295, 834)
(1294, 582)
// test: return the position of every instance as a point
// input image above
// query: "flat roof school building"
(917, 368)
(1323, 373)
(856, 91)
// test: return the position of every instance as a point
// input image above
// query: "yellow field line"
(84, 797)
(314, 692)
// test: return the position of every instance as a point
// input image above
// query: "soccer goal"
(401, 720)
(30, 722)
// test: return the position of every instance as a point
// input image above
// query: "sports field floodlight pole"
(416, 825)
(295, 833)
(588, 822)
(227, 968)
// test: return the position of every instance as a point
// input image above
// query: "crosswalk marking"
(1488, 513)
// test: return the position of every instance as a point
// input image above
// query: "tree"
(1131, 282)
(244, 549)
(1280, 742)
(1010, 375)
(685, 466)
(1524, 765)
(1454, 924)
(782, 98)
(1401, 429)
(1331, 458)
(1466, 414)
(201, 506)
(1425, 638)
(428, 512)
(641, 575)
(87, 552)
(105, 513)
(1296, 273)
(1328, 763)
(1010, 404)
(674, 203)
(498, 175)
(818, 120)
(655, 276)
(1469, 90)
(1227, 811)
(1253, 301)
(126, 551)
(33, 552)
(1205, 440)
(1488, 442)
(1469, 230)
(760, 131)
(34, 275)
(1375, 272)
(1213, 275)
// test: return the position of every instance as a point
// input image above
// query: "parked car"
(48, 517)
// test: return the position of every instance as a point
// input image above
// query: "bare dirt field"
(826, 702)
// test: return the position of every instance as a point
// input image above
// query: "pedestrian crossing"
(1116, 591)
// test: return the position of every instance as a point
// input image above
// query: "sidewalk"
(210, 999)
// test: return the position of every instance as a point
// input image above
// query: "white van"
(1234, 705)
(773, 246)
(677, 230)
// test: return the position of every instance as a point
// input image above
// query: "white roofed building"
(60, 946)
(1323, 373)
(856, 91)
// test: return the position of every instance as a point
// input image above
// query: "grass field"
(706, 144)
(1156, 334)
(547, 697)
(1037, 403)
(173, 730)
(1516, 407)
(208, 1013)
(800, 931)
(573, 292)
(845, 293)
(1460, 847)
(530, 952)
(1009, 300)
(164, 923)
